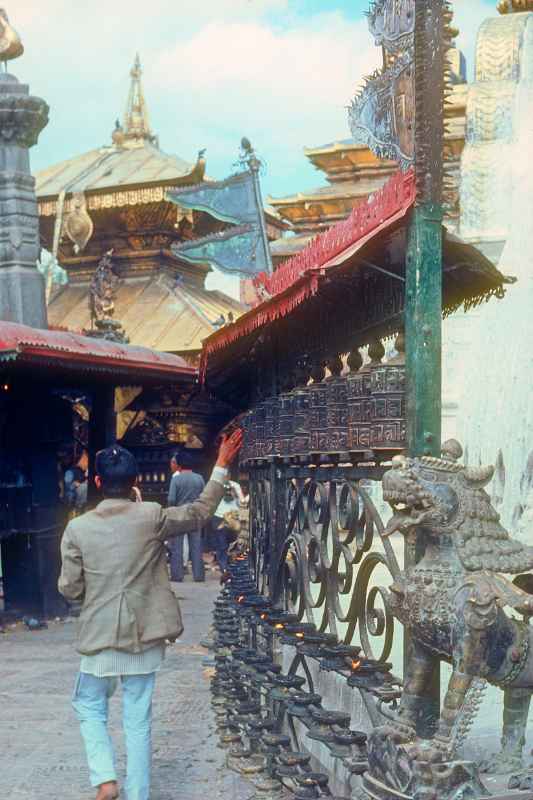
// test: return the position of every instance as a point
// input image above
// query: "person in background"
(185, 486)
(113, 562)
(174, 470)
(75, 483)
(223, 535)
(174, 467)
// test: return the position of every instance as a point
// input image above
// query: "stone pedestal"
(22, 118)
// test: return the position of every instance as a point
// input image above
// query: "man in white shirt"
(231, 499)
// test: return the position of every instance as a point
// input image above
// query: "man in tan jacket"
(114, 563)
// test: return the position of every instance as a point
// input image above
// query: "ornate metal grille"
(317, 545)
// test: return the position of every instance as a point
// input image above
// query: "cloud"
(133, 12)
(284, 88)
(213, 71)
(282, 81)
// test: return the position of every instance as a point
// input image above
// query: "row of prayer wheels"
(360, 413)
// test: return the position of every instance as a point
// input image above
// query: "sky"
(280, 72)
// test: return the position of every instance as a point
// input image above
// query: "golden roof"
(118, 174)
(360, 188)
(514, 6)
(326, 203)
(343, 159)
(155, 311)
(113, 172)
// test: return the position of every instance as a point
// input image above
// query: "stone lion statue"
(455, 601)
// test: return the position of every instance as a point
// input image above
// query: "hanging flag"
(236, 251)
(239, 250)
(232, 200)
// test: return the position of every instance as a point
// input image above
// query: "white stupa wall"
(487, 357)
(487, 373)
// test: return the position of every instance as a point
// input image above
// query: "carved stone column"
(22, 118)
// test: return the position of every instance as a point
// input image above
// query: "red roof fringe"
(70, 349)
(364, 218)
(261, 316)
(297, 279)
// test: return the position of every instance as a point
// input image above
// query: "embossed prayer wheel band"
(301, 433)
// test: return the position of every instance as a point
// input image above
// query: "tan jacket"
(114, 562)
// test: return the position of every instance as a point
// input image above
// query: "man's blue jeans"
(195, 551)
(90, 701)
(223, 540)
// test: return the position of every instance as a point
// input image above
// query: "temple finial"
(136, 121)
(514, 6)
(10, 42)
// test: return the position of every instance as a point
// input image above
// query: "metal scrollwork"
(328, 558)
(260, 530)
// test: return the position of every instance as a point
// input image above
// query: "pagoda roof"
(338, 144)
(158, 311)
(62, 351)
(344, 159)
(131, 162)
(128, 166)
(359, 188)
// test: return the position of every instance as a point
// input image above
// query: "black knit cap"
(185, 458)
(117, 468)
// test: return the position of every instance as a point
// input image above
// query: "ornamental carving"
(392, 23)
(399, 113)
(120, 199)
(22, 118)
(78, 224)
(102, 294)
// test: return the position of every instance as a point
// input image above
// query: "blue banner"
(240, 250)
(232, 200)
(236, 251)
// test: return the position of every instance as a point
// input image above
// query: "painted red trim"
(22, 341)
(396, 196)
(297, 278)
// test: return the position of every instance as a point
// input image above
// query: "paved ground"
(41, 753)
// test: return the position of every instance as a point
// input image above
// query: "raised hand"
(229, 449)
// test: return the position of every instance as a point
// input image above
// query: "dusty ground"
(41, 754)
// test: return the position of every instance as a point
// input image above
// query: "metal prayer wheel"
(271, 414)
(284, 424)
(360, 408)
(259, 425)
(337, 415)
(301, 430)
(318, 417)
(388, 406)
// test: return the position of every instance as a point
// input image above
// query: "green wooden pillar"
(423, 330)
(423, 342)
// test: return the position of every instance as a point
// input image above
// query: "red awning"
(74, 352)
(297, 278)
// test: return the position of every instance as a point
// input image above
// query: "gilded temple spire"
(136, 121)
(10, 42)
(514, 6)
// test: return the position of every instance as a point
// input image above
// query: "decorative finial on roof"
(118, 138)
(514, 6)
(136, 121)
(10, 43)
